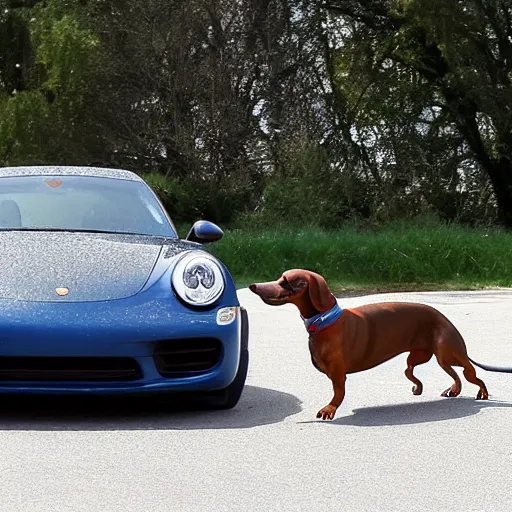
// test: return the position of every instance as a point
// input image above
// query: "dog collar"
(322, 320)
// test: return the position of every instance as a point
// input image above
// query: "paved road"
(386, 450)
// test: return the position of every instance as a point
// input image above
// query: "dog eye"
(287, 286)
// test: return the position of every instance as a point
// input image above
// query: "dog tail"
(489, 368)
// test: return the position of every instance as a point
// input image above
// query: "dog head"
(306, 289)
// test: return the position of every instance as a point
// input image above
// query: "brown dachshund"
(356, 339)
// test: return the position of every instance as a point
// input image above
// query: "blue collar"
(322, 320)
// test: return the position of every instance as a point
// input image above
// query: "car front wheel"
(228, 397)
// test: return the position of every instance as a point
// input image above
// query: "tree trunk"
(499, 169)
(500, 173)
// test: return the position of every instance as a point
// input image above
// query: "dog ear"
(319, 293)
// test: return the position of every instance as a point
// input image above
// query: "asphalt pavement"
(386, 450)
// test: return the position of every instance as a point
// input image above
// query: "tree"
(45, 61)
(380, 109)
(207, 93)
(462, 50)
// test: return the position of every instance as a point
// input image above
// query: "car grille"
(69, 369)
(175, 358)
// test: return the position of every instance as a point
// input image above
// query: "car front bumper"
(129, 328)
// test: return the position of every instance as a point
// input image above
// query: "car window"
(81, 203)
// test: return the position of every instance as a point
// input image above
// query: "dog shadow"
(257, 406)
(414, 413)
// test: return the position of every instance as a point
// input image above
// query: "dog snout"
(264, 290)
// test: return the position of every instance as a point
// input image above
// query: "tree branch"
(375, 14)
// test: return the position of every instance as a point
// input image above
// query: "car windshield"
(81, 203)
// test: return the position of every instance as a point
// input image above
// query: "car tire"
(228, 397)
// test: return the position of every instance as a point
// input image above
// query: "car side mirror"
(204, 232)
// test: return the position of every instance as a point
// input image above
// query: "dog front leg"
(338, 383)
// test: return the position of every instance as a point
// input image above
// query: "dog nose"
(252, 287)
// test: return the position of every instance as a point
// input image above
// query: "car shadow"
(257, 406)
(414, 413)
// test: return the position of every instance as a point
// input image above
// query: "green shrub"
(421, 254)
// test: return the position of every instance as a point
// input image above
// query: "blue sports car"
(99, 295)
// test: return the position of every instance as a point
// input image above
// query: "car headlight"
(197, 279)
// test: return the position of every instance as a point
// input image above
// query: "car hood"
(92, 266)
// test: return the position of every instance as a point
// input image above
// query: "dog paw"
(327, 413)
(482, 396)
(417, 390)
(449, 393)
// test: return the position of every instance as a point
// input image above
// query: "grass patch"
(393, 257)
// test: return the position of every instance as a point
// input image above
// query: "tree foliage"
(48, 57)
(299, 110)
(459, 55)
